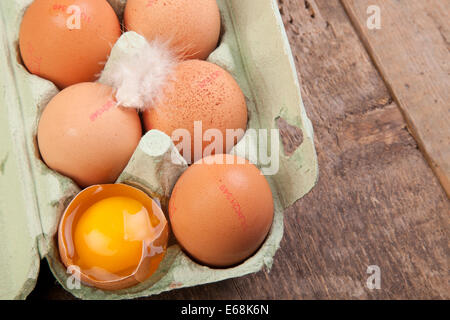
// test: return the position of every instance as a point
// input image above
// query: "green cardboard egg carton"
(254, 48)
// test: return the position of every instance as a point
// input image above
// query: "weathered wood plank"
(412, 52)
(377, 201)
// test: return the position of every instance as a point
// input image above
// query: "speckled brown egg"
(191, 27)
(221, 210)
(85, 136)
(200, 92)
(68, 41)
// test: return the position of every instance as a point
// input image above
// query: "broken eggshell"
(153, 247)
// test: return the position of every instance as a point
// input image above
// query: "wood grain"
(377, 201)
(411, 50)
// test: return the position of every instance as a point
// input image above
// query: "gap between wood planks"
(411, 52)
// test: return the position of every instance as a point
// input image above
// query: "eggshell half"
(153, 250)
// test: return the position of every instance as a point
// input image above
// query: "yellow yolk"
(109, 235)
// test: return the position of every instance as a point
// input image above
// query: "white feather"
(139, 71)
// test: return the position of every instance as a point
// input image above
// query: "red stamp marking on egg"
(151, 3)
(235, 205)
(210, 79)
(94, 116)
(35, 61)
(85, 17)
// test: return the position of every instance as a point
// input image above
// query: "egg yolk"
(109, 236)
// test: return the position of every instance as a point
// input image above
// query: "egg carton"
(254, 48)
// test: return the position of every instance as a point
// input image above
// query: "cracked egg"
(112, 236)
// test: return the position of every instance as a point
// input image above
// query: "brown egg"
(68, 41)
(191, 27)
(112, 236)
(200, 91)
(83, 135)
(221, 213)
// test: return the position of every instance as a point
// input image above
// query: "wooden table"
(378, 201)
